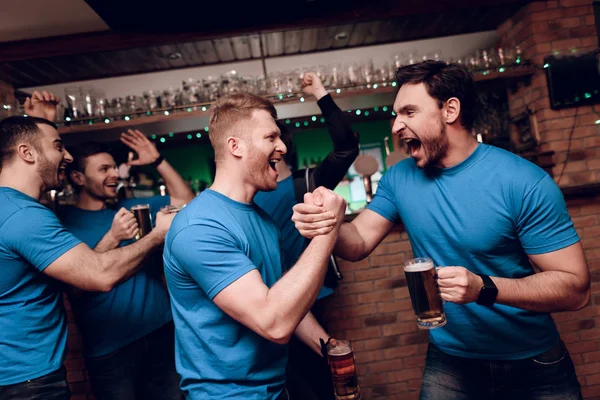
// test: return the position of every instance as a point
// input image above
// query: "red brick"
(393, 259)
(385, 366)
(589, 391)
(385, 342)
(579, 11)
(360, 311)
(576, 166)
(401, 293)
(579, 178)
(547, 15)
(399, 247)
(344, 324)
(574, 3)
(591, 356)
(394, 306)
(537, 6)
(387, 391)
(372, 274)
(355, 287)
(591, 380)
(405, 375)
(374, 297)
(582, 347)
(399, 329)
(388, 284)
(566, 44)
(364, 333)
(414, 361)
(380, 319)
(400, 352)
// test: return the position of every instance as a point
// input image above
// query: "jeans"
(548, 376)
(48, 387)
(142, 370)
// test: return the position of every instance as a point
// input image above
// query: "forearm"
(118, 265)
(550, 291)
(178, 189)
(289, 300)
(310, 331)
(340, 131)
(108, 242)
(350, 245)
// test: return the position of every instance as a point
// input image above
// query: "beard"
(435, 149)
(259, 171)
(48, 172)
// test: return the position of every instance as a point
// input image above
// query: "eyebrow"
(58, 141)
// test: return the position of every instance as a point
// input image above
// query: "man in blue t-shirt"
(36, 251)
(125, 328)
(486, 216)
(233, 310)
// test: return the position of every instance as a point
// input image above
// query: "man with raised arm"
(233, 310)
(125, 328)
(36, 250)
(487, 217)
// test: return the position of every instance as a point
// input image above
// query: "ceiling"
(204, 33)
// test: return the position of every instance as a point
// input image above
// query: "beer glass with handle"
(424, 293)
(343, 370)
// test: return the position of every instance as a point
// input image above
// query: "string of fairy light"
(309, 122)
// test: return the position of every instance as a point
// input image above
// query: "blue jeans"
(142, 370)
(548, 376)
(48, 387)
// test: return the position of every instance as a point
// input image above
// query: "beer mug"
(343, 370)
(424, 293)
(143, 218)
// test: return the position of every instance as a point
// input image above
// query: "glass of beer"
(424, 293)
(343, 370)
(143, 218)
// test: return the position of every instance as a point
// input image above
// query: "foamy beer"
(424, 293)
(343, 370)
(143, 218)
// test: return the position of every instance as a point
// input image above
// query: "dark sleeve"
(345, 147)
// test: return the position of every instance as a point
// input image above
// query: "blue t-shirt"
(485, 214)
(132, 309)
(279, 205)
(33, 327)
(213, 242)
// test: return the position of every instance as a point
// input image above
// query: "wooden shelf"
(181, 112)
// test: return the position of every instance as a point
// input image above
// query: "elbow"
(279, 332)
(582, 300)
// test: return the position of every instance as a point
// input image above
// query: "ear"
(236, 146)
(452, 110)
(26, 152)
(78, 178)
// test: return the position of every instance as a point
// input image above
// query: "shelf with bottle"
(141, 116)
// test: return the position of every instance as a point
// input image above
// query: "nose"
(67, 157)
(280, 146)
(399, 126)
(114, 171)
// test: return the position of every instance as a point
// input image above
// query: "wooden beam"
(108, 41)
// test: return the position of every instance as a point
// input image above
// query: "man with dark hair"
(128, 333)
(487, 217)
(36, 250)
(309, 376)
(233, 310)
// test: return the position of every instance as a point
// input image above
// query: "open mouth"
(62, 169)
(112, 185)
(413, 145)
(273, 163)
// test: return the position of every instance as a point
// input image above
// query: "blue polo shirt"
(486, 214)
(33, 327)
(132, 309)
(211, 243)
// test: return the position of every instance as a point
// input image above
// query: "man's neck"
(22, 181)
(85, 201)
(461, 147)
(230, 183)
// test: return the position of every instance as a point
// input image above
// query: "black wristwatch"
(488, 293)
(157, 162)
